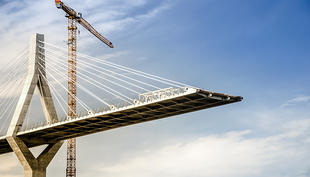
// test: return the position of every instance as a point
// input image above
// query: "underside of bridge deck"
(139, 113)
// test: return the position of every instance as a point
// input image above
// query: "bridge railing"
(143, 99)
(159, 94)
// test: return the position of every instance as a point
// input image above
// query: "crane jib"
(87, 26)
(70, 12)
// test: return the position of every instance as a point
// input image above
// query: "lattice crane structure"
(73, 19)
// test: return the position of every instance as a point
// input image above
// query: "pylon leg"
(33, 167)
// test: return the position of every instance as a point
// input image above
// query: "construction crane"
(73, 18)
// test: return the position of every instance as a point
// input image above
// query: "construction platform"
(150, 106)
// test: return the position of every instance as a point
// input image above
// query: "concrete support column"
(33, 167)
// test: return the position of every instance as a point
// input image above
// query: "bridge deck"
(144, 110)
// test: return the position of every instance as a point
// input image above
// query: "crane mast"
(73, 18)
(71, 143)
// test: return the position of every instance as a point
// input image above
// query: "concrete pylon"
(33, 167)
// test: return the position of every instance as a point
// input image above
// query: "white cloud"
(142, 58)
(8, 175)
(229, 154)
(294, 101)
(135, 2)
(122, 23)
(154, 12)
(8, 162)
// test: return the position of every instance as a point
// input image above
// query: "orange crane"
(74, 17)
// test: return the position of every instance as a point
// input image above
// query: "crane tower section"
(73, 19)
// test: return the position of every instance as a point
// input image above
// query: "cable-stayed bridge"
(137, 97)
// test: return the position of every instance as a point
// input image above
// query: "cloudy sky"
(256, 49)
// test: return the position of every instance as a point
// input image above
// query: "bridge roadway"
(151, 106)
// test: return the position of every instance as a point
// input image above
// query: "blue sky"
(256, 49)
